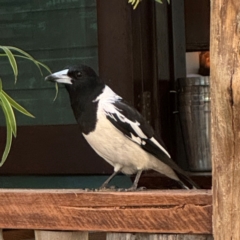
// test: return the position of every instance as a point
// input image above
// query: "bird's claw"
(133, 189)
(106, 189)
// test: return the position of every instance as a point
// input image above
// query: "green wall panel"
(58, 33)
(60, 182)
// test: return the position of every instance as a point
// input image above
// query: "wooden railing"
(123, 215)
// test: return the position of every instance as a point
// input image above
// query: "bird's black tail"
(186, 181)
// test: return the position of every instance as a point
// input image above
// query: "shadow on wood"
(60, 235)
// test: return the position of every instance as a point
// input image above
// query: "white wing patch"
(106, 107)
(136, 139)
(157, 144)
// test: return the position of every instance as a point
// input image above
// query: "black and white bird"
(115, 130)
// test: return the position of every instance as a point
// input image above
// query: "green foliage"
(6, 102)
(136, 2)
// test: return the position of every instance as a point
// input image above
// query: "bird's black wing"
(132, 124)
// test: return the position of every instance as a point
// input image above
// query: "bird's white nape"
(107, 95)
(105, 100)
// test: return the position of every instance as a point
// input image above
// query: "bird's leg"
(135, 183)
(104, 185)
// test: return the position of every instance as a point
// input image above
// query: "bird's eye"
(78, 74)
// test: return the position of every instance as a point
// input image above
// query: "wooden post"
(60, 235)
(225, 95)
(120, 236)
(1, 236)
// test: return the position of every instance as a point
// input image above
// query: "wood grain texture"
(1, 236)
(225, 97)
(172, 211)
(140, 236)
(60, 235)
(120, 236)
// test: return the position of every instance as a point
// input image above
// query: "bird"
(115, 130)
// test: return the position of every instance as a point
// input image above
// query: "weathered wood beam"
(170, 211)
(1, 236)
(225, 97)
(57, 235)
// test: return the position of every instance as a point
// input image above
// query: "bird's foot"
(106, 189)
(141, 189)
(134, 189)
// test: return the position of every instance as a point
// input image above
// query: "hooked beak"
(59, 77)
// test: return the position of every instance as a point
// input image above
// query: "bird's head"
(75, 77)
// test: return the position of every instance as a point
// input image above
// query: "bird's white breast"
(115, 148)
(110, 143)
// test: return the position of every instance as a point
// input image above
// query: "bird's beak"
(59, 77)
